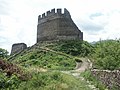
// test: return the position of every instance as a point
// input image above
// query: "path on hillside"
(86, 64)
(80, 67)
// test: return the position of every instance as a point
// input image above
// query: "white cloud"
(96, 18)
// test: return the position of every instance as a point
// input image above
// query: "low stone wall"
(109, 78)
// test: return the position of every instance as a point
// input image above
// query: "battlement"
(54, 12)
(56, 24)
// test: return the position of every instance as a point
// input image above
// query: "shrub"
(107, 54)
(73, 47)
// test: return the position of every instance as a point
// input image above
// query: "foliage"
(9, 83)
(45, 59)
(3, 53)
(43, 81)
(88, 76)
(12, 69)
(73, 47)
(58, 56)
(107, 54)
(53, 81)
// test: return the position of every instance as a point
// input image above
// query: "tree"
(3, 53)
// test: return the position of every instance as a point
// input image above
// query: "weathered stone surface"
(57, 26)
(18, 47)
(110, 78)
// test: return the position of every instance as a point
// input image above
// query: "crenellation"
(59, 11)
(56, 14)
(53, 11)
(39, 18)
(43, 15)
(48, 13)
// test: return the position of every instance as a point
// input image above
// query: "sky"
(97, 19)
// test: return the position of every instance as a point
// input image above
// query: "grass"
(45, 59)
(88, 76)
(50, 80)
(53, 81)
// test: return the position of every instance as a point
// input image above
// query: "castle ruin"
(53, 25)
(18, 47)
(57, 26)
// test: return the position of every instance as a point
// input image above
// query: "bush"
(10, 83)
(3, 53)
(73, 47)
(107, 54)
(53, 80)
(46, 59)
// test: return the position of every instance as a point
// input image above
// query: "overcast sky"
(97, 19)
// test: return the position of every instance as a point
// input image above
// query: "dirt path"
(82, 67)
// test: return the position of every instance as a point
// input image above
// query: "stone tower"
(18, 47)
(55, 25)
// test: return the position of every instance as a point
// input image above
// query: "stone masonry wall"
(18, 47)
(57, 26)
(109, 78)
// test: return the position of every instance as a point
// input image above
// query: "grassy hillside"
(53, 80)
(44, 58)
(58, 55)
(41, 65)
(38, 68)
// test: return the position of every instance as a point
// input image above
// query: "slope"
(47, 63)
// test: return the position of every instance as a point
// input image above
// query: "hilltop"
(60, 55)
(62, 65)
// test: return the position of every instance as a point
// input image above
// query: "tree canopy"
(3, 53)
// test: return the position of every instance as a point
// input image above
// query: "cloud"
(2, 40)
(4, 10)
(92, 16)
(91, 27)
(104, 25)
